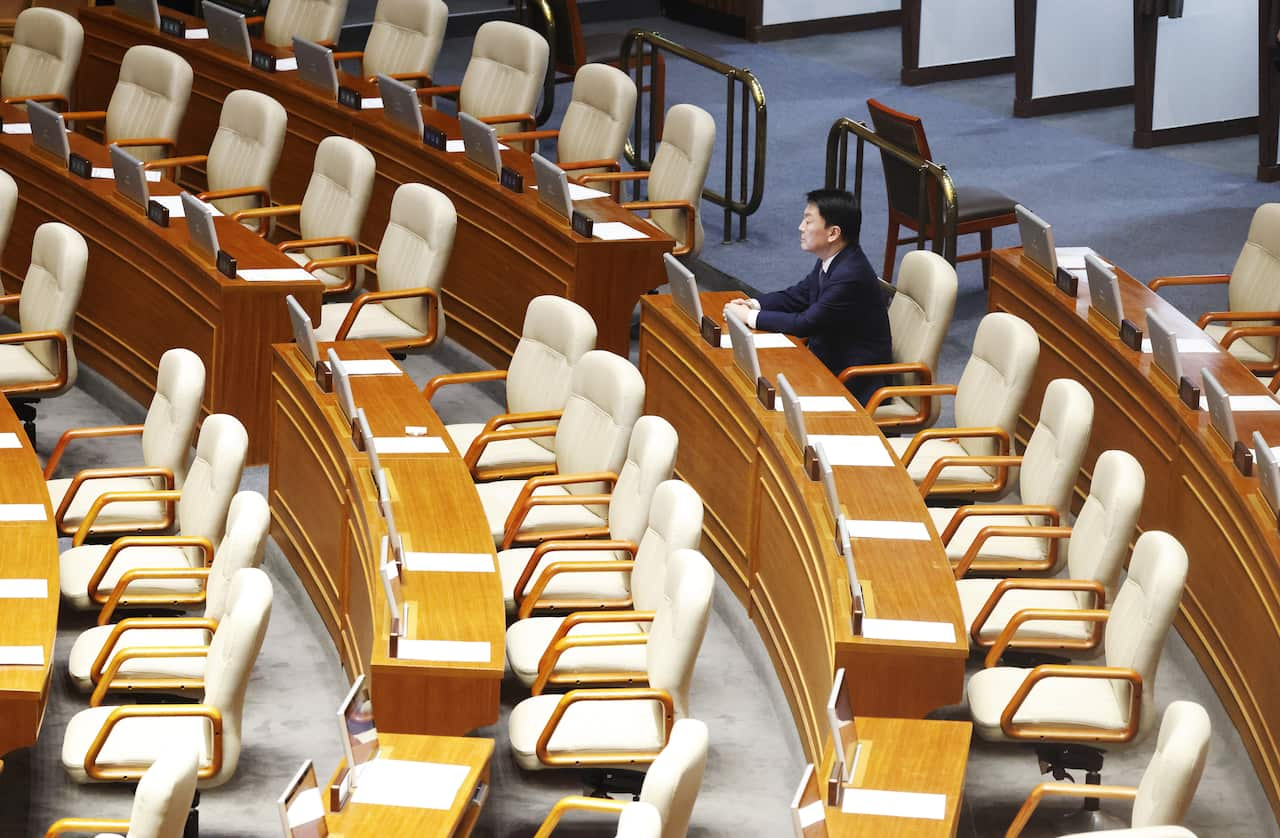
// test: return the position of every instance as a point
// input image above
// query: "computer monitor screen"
(1268, 467)
(1219, 403)
(147, 11)
(315, 65)
(131, 178)
(844, 734)
(553, 186)
(200, 227)
(401, 104)
(303, 333)
(342, 386)
(357, 729)
(48, 130)
(1104, 289)
(302, 807)
(1164, 347)
(792, 411)
(227, 29)
(744, 348)
(684, 288)
(480, 142)
(1037, 239)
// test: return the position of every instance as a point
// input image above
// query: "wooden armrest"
(38, 97)
(51, 466)
(1064, 790)
(111, 678)
(498, 119)
(491, 433)
(1229, 316)
(87, 116)
(614, 179)
(255, 20)
(153, 711)
(589, 758)
(117, 497)
(423, 79)
(266, 212)
(139, 142)
(562, 546)
(1238, 332)
(64, 825)
(522, 136)
(324, 241)
(610, 165)
(59, 381)
(1002, 587)
(1054, 534)
(990, 509)
(578, 804)
(999, 434)
(9, 299)
(259, 192)
(367, 297)
(1198, 279)
(342, 261)
(116, 598)
(448, 378)
(690, 219)
(1074, 733)
(515, 520)
(175, 162)
(1002, 462)
(348, 55)
(84, 476)
(1026, 615)
(140, 541)
(563, 641)
(525, 500)
(144, 624)
(917, 368)
(449, 91)
(887, 392)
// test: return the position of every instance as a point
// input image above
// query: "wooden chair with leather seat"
(979, 210)
(42, 59)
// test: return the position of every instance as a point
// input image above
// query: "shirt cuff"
(751, 317)
(753, 303)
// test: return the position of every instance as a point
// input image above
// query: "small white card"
(173, 203)
(894, 804)
(410, 445)
(307, 807)
(449, 562)
(24, 588)
(762, 340)
(915, 631)
(853, 449)
(13, 512)
(21, 656)
(9, 439)
(448, 651)
(283, 65)
(371, 104)
(273, 274)
(813, 813)
(455, 146)
(17, 127)
(196, 34)
(821, 404)
(110, 174)
(578, 192)
(415, 430)
(1187, 346)
(902, 530)
(1246, 404)
(421, 785)
(1072, 258)
(615, 231)
(370, 367)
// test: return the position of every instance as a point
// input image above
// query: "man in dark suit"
(839, 306)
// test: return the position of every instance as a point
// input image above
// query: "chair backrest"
(51, 291)
(679, 624)
(1142, 613)
(651, 456)
(556, 333)
(405, 37)
(505, 74)
(171, 419)
(163, 797)
(902, 182)
(1255, 279)
(639, 820)
(232, 651)
(242, 546)
(596, 121)
(150, 98)
(606, 397)
(1100, 537)
(1169, 783)
(996, 378)
(1052, 458)
(679, 168)
(415, 251)
(675, 523)
(671, 784)
(337, 195)
(212, 480)
(246, 147)
(920, 313)
(314, 20)
(44, 55)
(8, 206)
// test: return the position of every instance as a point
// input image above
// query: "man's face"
(815, 235)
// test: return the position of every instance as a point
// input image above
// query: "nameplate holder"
(393, 645)
(80, 166)
(357, 438)
(511, 179)
(1130, 335)
(226, 264)
(263, 61)
(582, 225)
(480, 795)
(835, 785)
(766, 392)
(340, 792)
(349, 97)
(1189, 393)
(1242, 456)
(857, 613)
(811, 467)
(324, 377)
(434, 137)
(1067, 282)
(158, 213)
(173, 26)
(710, 330)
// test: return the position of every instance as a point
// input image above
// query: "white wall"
(1082, 45)
(1207, 64)
(958, 31)
(791, 11)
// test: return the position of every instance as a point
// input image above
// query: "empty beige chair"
(1099, 542)
(113, 744)
(161, 803)
(670, 785)
(166, 446)
(1249, 327)
(331, 212)
(97, 648)
(919, 316)
(8, 207)
(606, 396)
(43, 58)
(1163, 796)
(1139, 832)
(626, 726)
(503, 78)
(148, 103)
(406, 311)
(676, 176)
(89, 573)
(556, 333)
(404, 41)
(635, 819)
(594, 129)
(990, 393)
(1046, 476)
(311, 20)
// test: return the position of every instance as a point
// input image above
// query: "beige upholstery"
(136, 743)
(1254, 286)
(241, 547)
(8, 206)
(414, 253)
(212, 480)
(505, 74)
(679, 168)
(312, 20)
(166, 443)
(50, 294)
(634, 725)
(671, 784)
(1140, 832)
(150, 98)
(639, 820)
(1135, 636)
(598, 117)
(606, 395)
(44, 54)
(1096, 550)
(335, 201)
(162, 800)
(246, 147)
(990, 393)
(556, 333)
(405, 37)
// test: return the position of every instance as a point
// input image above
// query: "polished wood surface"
(1230, 611)
(30, 551)
(508, 248)
(770, 538)
(325, 517)
(147, 290)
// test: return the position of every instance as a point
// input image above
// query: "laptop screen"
(303, 333)
(744, 348)
(553, 186)
(315, 65)
(48, 130)
(480, 142)
(147, 11)
(1164, 347)
(131, 178)
(302, 807)
(1037, 239)
(1104, 289)
(684, 288)
(200, 227)
(1219, 403)
(227, 29)
(401, 104)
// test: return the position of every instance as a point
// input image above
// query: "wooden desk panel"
(1230, 611)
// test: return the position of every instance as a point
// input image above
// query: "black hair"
(837, 208)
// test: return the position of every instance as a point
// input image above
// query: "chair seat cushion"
(932, 451)
(597, 726)
(87, 646)
(1057, 701)
(614, 586)
(1005, 549)
(975, 592)
(528, 639)
(1240, 347)
(895, 408)
(374, 322)
(76, 567)
(507, 453)
(330, 280)
(142, 514)
(133, 743)
(18, 366)
(976, 202)
(500, 496)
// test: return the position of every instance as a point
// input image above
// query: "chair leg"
(890, 252)
(984, 237)
(26, 411)
(192, 827)
(606, 782)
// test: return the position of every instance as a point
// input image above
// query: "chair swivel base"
(1058, 759)
(191, 829)
(25, 409)
(607, 782)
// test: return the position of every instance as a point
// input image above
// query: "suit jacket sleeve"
(835, 308)
(793, 299)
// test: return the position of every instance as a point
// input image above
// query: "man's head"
(831, 221)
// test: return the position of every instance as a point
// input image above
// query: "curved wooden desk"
(769, 536)
(1230, 611)
(30, 551)
(325, 517)
(508, 249)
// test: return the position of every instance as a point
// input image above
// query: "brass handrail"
(545, 24)
(838, 178)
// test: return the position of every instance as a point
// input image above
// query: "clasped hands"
(740, 307)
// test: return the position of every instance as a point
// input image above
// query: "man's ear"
(834, 233)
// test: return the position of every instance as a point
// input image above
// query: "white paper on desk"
(273, 274)
(9, 439)
(24, 588)
(901, 530)
(894, 804)
(448, 651)
(1246, 404)
(421, 785)
(1187, 346)
(616, 231)
(370, 367)
(196, 34)
(17, 127)
(458, 146)
(110, 174)
(916, 631)
(1072, 257)
(578, 192)
(21, 656)
(308, 807)
(173, 203)
(813, 813)
(409, 445)
(371, 104)
(821, 404)
(22, 512)
(762, 340)
(852, 449)
(449, 562)
(283, 65)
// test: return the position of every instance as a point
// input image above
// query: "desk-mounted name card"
(858, 613)
(226, 264)
(710, 330)
(263, 61)
(1131, 335)
(357, 435)
(434, 137)
(1067, 282)
(324, 377)
(158, 213)
(1189, 393)
(349, 97)
(173, 26)
(1243, 458)
(766, 393)
(79, 165)
(511, 179)
(811, 465)
(582, 225)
